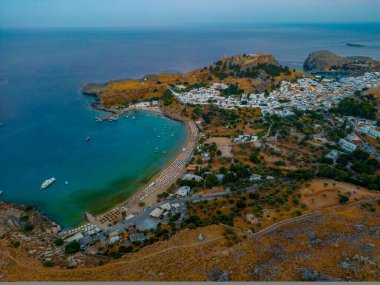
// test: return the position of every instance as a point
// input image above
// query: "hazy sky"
(111, 13)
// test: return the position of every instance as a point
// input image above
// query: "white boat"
(1, 192)
(48, 182)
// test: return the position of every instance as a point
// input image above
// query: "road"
(144, 214)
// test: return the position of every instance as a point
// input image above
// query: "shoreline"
(159, 183)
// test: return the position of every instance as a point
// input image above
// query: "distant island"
(354, 45)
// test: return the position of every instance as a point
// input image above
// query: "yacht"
(48, 182)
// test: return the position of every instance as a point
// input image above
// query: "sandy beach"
(159, 183)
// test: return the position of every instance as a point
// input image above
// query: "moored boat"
(48, 182)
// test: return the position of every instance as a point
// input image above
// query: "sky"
(132, 13)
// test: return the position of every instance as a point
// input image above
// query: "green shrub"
(58, 242)
(48, 264)
(72, 247)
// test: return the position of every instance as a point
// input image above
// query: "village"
(305, 94)
(130, 224)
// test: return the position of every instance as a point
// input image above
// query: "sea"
(46, 118)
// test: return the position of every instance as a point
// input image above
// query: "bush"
(29, 208)
(125, 249)
(297, 213)
(28, 227)
(24, 218)
(58, 242)
(343, 199)
(48, 264)
(72, 247)
(15, 244)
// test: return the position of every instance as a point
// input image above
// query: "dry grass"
(282, 254)
(323, 193)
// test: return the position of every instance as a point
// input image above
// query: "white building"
(371, 131)
(183, 191)
(114, 239)
(350, 147)
(156, 213)
(245, 138)
(333, 154)
(166, 207)
(76, 237)
(255, 177)
(190, 177)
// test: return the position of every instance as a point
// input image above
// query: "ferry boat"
(48, 182)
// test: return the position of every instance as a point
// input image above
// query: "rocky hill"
(298, 250)
(327, 62)
(259, 65)
(253, 73)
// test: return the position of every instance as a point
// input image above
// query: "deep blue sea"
(46, 118)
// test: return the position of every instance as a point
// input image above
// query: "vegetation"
(72, 247)
(356, 108)
(222, 70)
(58, 242)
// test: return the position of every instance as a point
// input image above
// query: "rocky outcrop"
(246, 61)
(327, 62)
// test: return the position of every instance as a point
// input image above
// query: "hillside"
(326, 61)
(295, 250)
(277, 246)
(257, 72)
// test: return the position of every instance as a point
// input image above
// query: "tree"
(343, 199)
(240, 204)
(72, 247)
(58, 242)
(359, 154)
(211, 181)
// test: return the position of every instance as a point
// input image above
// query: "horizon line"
(190, 24)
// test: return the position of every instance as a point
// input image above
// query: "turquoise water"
(47, 118)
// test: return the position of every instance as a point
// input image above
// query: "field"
(323, 193)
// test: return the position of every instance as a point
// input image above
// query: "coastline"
(167, 176)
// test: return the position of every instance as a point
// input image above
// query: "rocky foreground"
(342, 244)
(24, 229)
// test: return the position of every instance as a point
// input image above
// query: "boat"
(1, 192)
(48, 182)
(66, 182)
(88, 139)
